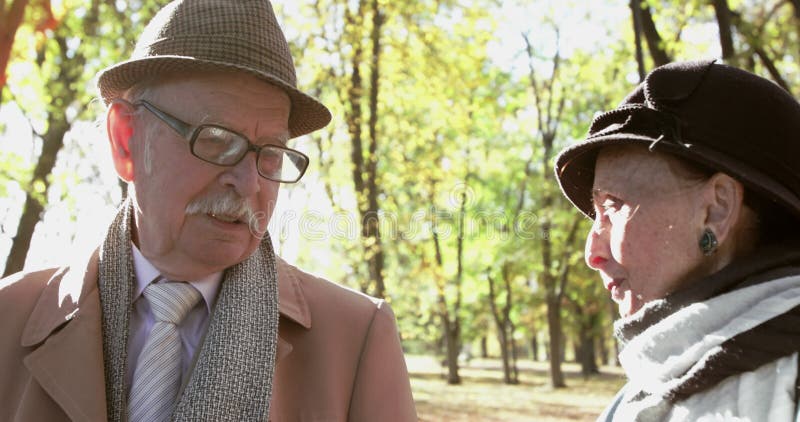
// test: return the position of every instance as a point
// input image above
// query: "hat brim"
(575, 169)
(307, 114)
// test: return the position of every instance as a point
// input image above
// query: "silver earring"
(708, 242)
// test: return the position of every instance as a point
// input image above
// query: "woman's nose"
(597, 248)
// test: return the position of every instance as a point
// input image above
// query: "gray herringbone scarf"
(232, 377)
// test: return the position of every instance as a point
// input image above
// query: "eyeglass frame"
(190, 132)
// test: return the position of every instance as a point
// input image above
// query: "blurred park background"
(433, 185)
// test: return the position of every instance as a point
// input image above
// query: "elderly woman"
(693, 184)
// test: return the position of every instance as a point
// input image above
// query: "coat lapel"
(291, 304)
(65, 324)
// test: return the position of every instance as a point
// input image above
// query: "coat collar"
(71, 302)
(60, 299)
(292, 301)
(68, 316)
(69, 286)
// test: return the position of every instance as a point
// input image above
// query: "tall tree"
(753, 34)
(636, 18)
(655, 44)
(504, 324)
(451, 318)
(588, 316)
(65, 90)
(64, 67)
(11, 18)
(364, 159)
(361, 47)
(796, 13)
(723, 13)
(549, 100)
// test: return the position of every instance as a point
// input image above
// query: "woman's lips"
(615, 287)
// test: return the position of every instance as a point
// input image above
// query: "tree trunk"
(503, 340)
(534, 347)
(796, 4)
(654, 41)
(771, 68)
(586, 352)
(636, 17)
(452, 326)
(501, 322)
(554, 329)
(63, 88)
(723, 12)
(591, 359)
(364, 169)
(750, 64)
(31, 214)
(548, 121)
(371, 223)
(796, 9)
(353, 117)
(452, 336)
(514, 369)
(614, 310)
(603, 349)
(9, 23)
(484, 347)
(52, 142)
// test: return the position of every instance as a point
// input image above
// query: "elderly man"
(184, 312)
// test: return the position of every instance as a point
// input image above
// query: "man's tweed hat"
(228, 35)
(717, 116)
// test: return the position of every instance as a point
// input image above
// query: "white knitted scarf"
(672, 350)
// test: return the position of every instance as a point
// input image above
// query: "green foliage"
(13, 169)
(457, 130)
(51, 80)
(454, 122)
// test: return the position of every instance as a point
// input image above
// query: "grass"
(482, 395)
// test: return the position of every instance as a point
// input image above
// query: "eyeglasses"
(218, 145)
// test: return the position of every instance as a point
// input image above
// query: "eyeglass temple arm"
(182, 128)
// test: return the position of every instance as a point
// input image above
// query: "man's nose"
(243, 177)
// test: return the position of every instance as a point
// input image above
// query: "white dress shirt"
(191, 329)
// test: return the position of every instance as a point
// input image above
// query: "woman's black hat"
(715, 115)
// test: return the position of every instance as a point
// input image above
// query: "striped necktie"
(158, 368)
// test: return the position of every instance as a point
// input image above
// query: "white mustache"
(227, 203)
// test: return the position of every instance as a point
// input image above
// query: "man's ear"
(725, 199)
(119, 125)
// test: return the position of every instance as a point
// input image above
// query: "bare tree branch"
(654, 41)
(723, 12)
(533, 82)
(636, 17)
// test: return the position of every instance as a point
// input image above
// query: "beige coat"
(339, 355)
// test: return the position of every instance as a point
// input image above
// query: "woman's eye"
(611, 204)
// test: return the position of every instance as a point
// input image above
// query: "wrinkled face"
(644, 240)
(168, 179)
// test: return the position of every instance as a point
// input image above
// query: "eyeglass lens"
(221, 146)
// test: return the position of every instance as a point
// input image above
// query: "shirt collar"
(145, 274)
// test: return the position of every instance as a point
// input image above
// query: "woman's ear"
(725, 200)
(119, 125)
